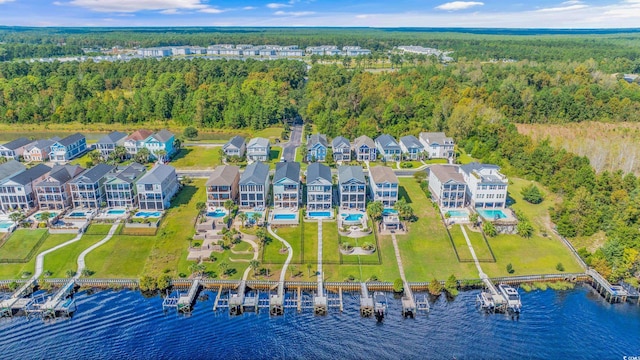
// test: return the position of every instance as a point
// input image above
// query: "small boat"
(511, 296)
(379, 305)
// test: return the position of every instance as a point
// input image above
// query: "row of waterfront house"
(252, 50)
(60, 187)
(60, 150)
(429, 145)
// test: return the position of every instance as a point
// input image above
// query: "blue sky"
(375, 13)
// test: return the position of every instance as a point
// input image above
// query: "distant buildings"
(286, 186)
(17, 192)
(68, 148)
(235, 147)
(364, 149)
(317, 147)
(258, 149)
(107, 144)
(87, 189)
(14, 149)
(248, 50)
(447, 186)
(319, 187)
(388, 147)
(254, 186)
(53, 193)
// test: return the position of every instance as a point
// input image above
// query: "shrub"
(435, 288)
(510, 269)
(26, 274)
(560, 267)
(406, 165)
(163, 282)
(451, 285)
(525, 229)
(13, 286)
(489, 229)
(147, 283)
(87, 272)
(182, 275)
(398, 286)
(70, 273)
(532, 194)
(373, 278)
(47, 273)
(190, 132)
(420, 176)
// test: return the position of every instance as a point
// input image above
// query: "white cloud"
(277, 5)
(362, 16)
(5, 1)
(138, 5)
(571, 2)
(563, 8)
(212, 10)
(249, 8)
(294, 13)
(458, 5)
(170, 12)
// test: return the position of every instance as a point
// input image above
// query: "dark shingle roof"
(236, 141)
(411, 141)
(61, 174)
(317, 139)
(40, 144)
(17, 143)
(289, 170)
(11, 168)
(340, 140)
(163, 135)
(130, 173)
(346, 173)
(386, 140)
(257, 173)
(112, 137)
(223, 175)
(29, 175)
(71, 139)
(317, 171)
(96, 173)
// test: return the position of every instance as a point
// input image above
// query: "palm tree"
(223, 266)
(255, 217)
(261, 234)
(254, 264)
(201, 206)
(142, 156)
(120, 153)
(228, 204)
(160, 155)
(2, 158)
(197, 268)
(309, 266)
(374, 210)
(44, 216)
(96, 157)
(243, 218)
(16, 217)
(177, 144)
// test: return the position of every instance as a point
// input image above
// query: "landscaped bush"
(147, 283)
(532, 194)
(398, 286)
(560, 267)
(435, 288)
(451, 285)
(163, 282)
(510, 269)
(489, 229)
(406, 165)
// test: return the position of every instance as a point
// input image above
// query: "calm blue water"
(351, 217)
(77, 214)
(491, 214)
(216, 214)
(115, 212)
(284, 216)
(146, 214)
(457, 213)
(319, 214)
(389, 212)
(574, 324)
(5, 224)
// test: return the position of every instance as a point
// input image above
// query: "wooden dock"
(236, 301)
(611, 293)
(60, 303)
(186, 301)
(366, 301)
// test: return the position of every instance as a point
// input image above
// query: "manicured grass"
(414, 165)
(330, 238)
(197, 157)
(82, 160)
(98, 229)
(13, 271)
(293, 235)
(274, 156)
(20, 243)
(120, 257)
(270, 133)
(311, 241)
(66, 258)
(479, 246)
(461, 244)
(538, 214)
(464, 158)
(426, 251)
(437, 161)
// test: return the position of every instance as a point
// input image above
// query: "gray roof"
(346, 173)
(381, 174)
(317, 171)
(435, 138)
(223, 175)
(317, 139)
(288, 170)
(256, 173)
(61, 174)
(71, 139)
(95, 173)
(40, 144)
(129, 173)
(363, 140)
(29, 175)
(476, 166)
(386, 140)
(17, 143)
(163, 135)
(11, 168)
(411, 142)
(261, 142)
(340, 140)
(446, 173)
(237, 141)
(157, 174)
(112, 137)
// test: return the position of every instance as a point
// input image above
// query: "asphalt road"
(289, 148)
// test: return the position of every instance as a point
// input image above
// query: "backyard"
(15, 271)
(20, 243)
(197, 157)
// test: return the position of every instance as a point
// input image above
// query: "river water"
(574, 324)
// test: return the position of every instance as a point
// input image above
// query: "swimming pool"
(217, 213)
(386, 212)
(492, 214)
(251, 213)
(38, 216)
(77, 214)
(116, 212)
(351, 218)
(457, 213)
(6, 224)
(284, 217)
(317, 214)
(148, 214)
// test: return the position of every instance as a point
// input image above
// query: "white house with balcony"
(384, 185)
(18, 192)
(87, 189)
(411, 147)
(157, 187)
(352, 188)
(364, 149)
(388, 147)
(447, 186)
(258, 149)
(222, 186)
(487, 187)
(286, 186)
(319, 187)
(254, 186)
(437, 145)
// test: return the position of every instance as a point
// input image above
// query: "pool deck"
(275, 221)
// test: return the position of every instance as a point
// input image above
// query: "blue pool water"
(284, 216)
(5, 224)
(250, 214)
(216, 214)
(491, 214)
(38, 216)
(146, 214)
(457, 213)
(317, 214)
(575, 324)
(351, 217)
(386, 212)
(115, 212)
(78, 214)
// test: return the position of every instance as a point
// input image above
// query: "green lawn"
(66, 258)
(464, 158)
(197, 157)
(270, 133)
(461, 244)
(293, 235)
(330, 238)
(274, 156)
(311, 241)
(121, 257)
(13, 271)
(82, 161)
(414, 165)
(437, 161)
(479, 246)
(20, 243)
(426, 250)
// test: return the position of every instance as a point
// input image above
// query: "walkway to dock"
(408, 301)
(497, 297)
(320, 273)
(256, 251)
(40, 257)
(81, 262)
(283, 274)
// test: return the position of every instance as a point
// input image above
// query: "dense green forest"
(618, 51)
(208, 94)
